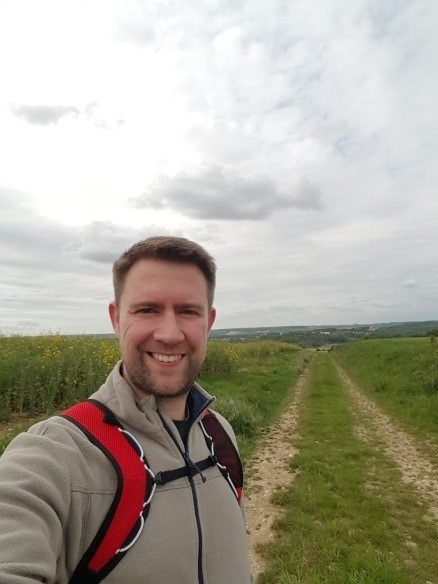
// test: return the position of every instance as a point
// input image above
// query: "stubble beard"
(140, 377)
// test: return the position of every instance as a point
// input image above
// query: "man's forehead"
(150, 277)
(154, 266)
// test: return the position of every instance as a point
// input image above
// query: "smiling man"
(162, 315)
(141, 483)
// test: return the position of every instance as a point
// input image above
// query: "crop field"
(340, 447)
(43, 375)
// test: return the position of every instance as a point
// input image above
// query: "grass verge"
(400, 376)
(253, 396)
(14, 426)
(334, 530)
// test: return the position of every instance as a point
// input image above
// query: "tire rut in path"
(415, 469)
(271, 471)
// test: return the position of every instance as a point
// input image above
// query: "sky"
(296, 140)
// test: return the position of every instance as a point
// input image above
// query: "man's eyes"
(184, 311)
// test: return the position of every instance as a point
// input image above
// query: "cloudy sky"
(297, 140)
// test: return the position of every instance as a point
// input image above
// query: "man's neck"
(174, 407)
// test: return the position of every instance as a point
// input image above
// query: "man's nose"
(169, 331)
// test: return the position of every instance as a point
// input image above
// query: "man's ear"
(211, 318)
(113, 310)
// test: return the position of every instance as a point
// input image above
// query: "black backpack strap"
(223, 452)
(125, 518)
(189, 470)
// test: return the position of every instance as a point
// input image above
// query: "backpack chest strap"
(191, 469)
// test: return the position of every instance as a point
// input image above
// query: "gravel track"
(270, 470)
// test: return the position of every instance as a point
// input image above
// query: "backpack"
(136, 483)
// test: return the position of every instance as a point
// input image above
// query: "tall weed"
(222, 359)
(242, 415)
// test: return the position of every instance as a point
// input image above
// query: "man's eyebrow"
(145, 303)
(153, 304)
(193, 305)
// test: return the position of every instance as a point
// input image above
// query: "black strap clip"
(193, 468)
(158, 478)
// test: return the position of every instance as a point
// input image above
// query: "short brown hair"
(170, 249)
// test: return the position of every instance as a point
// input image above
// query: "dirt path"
(270, 471)
(415, 469)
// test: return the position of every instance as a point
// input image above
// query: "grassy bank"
(401, 375)
(43, 375)
(335, 530)
(255, 391)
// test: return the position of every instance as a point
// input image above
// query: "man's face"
(162, 322)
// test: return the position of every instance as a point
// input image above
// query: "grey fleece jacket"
(56, 487)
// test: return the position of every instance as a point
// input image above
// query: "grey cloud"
(32, 242)
(28, 240)
(93, 112)
(103, 241)
(410, 283)
(9, 299)
(218, 194)
(44, 115)
(98, 255)
(308, 196)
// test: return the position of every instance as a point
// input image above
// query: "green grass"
(255, 393)
(334, 529)
(400, 375)
(9, 430)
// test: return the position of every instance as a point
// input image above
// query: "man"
(56, 486)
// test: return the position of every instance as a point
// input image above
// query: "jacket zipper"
(186, 458)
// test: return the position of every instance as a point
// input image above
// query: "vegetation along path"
(347, 517)
(269, 471)
(414, 467)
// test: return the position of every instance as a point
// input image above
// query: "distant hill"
(316, 336)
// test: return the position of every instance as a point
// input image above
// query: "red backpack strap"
(223, 451)
(125, 518)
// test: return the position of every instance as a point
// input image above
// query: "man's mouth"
(164, 358)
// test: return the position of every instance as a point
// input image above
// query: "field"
(43, 375)
(340, 447)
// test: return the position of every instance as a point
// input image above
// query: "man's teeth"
(166, 358)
